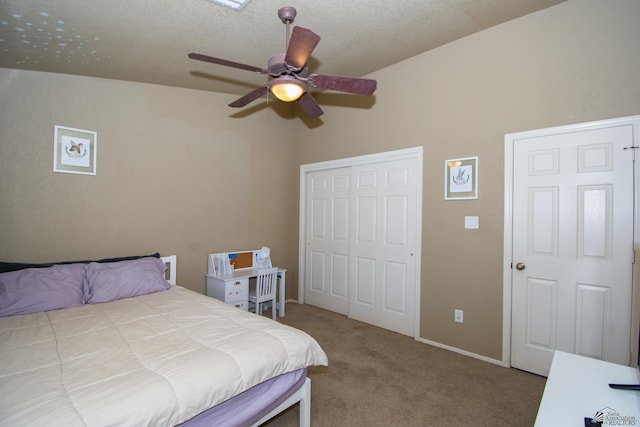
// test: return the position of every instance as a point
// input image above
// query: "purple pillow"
(33, 290)
(117, 280)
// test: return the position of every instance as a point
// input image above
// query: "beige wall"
(571, 63)
(178, 173)
(175, 174)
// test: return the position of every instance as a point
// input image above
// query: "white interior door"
(382, 278)
(572, 245)
(327, 252)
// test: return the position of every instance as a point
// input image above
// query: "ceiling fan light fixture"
(289, 77)
(233, 4)
(286, 88)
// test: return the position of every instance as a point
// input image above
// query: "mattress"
(156, 360)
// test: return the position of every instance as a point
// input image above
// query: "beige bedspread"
(154, 360)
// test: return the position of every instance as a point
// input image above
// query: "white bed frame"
(302, 395)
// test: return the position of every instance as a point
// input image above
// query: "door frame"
(509, 140)
(407, 153)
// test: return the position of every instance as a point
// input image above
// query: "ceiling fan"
(290, 78)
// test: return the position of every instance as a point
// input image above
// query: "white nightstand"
(234, 291)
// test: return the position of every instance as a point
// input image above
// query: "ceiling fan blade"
(251, 96)
(309, 105)
(301, 44)
(343, 84)
(219, 61)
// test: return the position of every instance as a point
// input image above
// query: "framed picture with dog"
(74, 150)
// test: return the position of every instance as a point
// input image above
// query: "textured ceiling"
(148, 40)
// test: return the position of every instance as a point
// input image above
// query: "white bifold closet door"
(361, 240)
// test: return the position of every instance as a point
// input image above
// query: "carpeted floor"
(379, 378)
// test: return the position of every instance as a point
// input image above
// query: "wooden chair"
(264, 292)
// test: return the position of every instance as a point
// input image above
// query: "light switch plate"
(471, 222)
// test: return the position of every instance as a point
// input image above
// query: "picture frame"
(74, 150)
(461, 178)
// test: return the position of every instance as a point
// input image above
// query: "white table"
(234, 288)
(578, 387)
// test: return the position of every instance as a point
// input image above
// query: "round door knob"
(520, 266)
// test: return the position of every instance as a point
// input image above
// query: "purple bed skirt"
(249, 406)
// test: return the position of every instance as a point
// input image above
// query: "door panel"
(541, 309)
(395, 298)
(365, 272)
(383, 246)
(592, 310)
(573, 232)
(327, 254)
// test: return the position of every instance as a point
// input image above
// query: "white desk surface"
(578, 386)
(242, 272)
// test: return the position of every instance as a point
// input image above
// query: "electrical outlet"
(458, 316)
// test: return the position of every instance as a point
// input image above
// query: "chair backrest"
(266, 284)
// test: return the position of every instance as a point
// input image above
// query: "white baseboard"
(463, 352)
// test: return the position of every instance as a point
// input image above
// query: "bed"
(117, 342)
